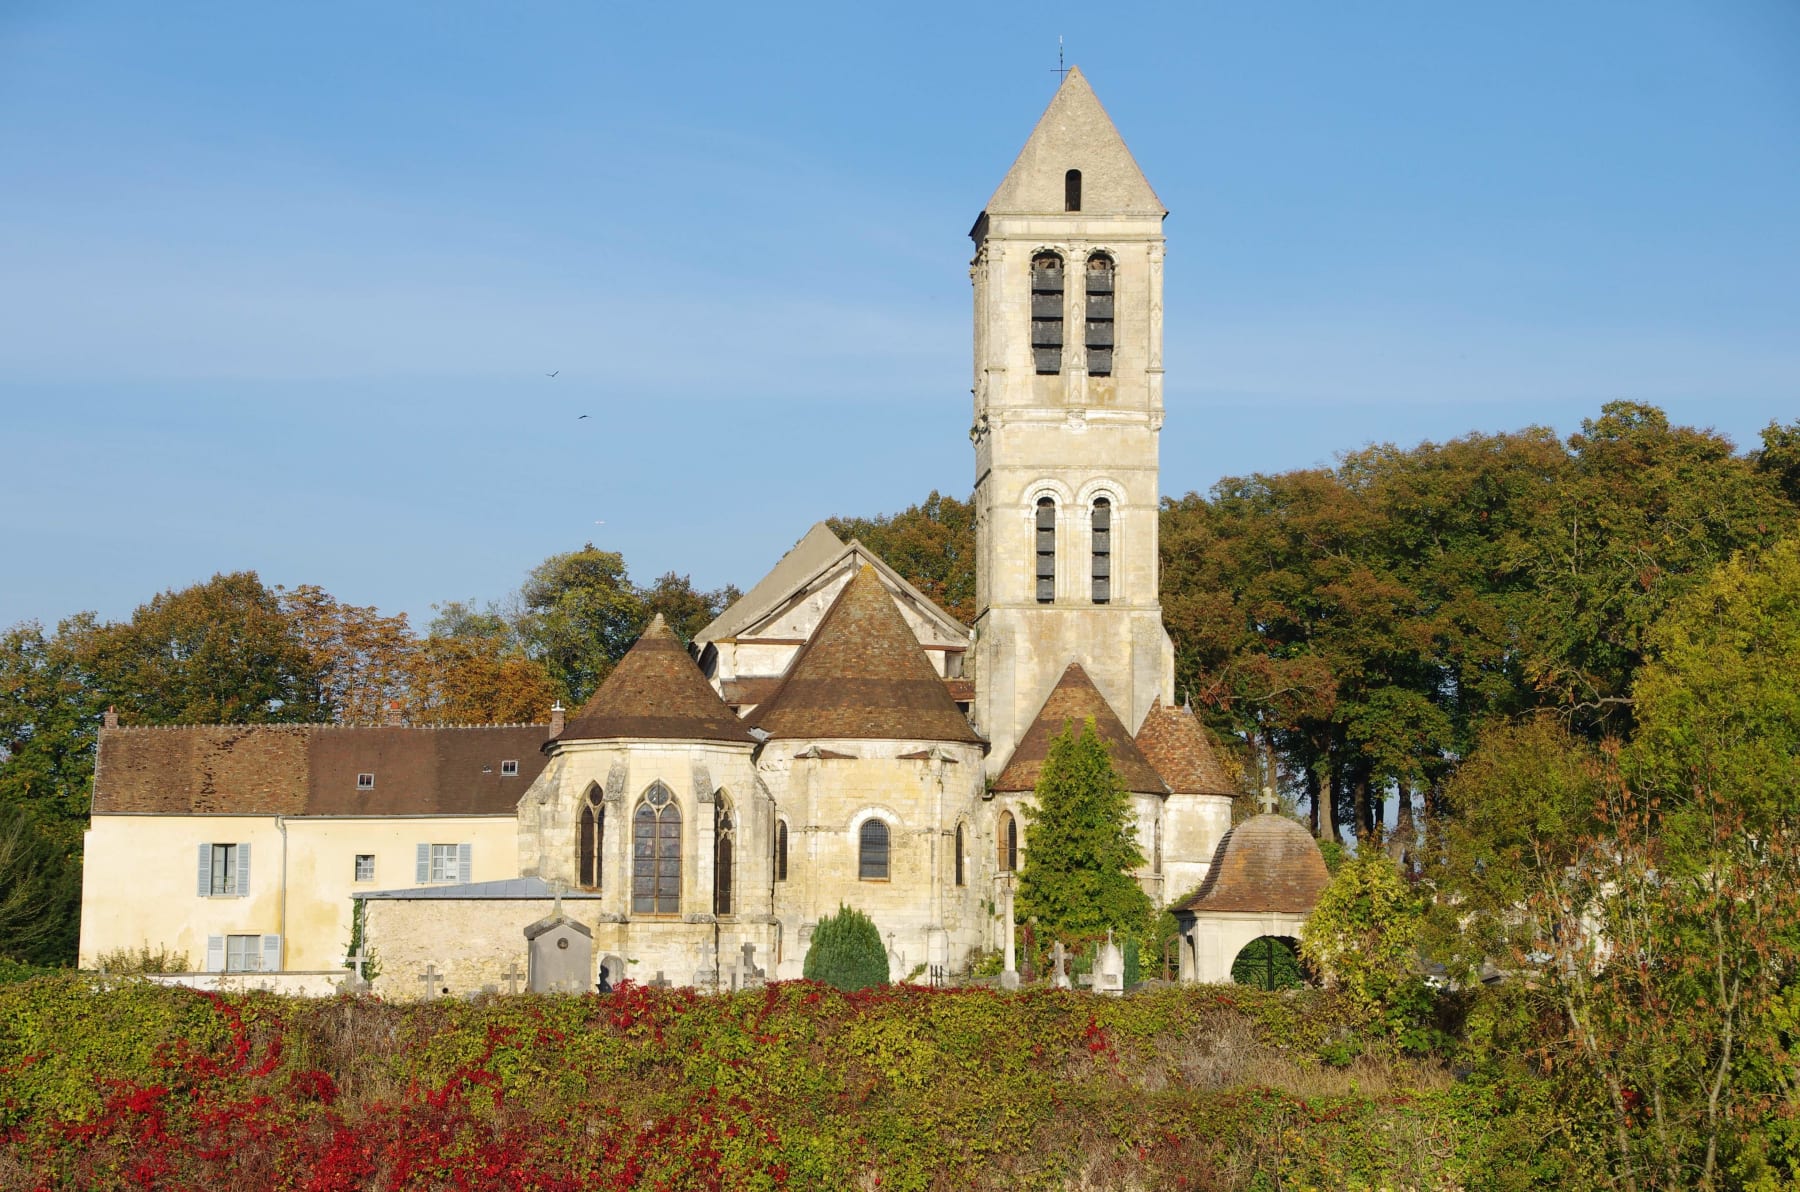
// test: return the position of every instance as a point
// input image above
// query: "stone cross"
(513, 976)
(430, 977)
(1268, 802)
(750, 969)
(659, 981)
(1059, 974)
(355, 962)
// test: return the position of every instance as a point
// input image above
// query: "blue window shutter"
(271, 958)
(243, 870)
(424, 874)
(215, 953)
(206, 872)
(465, 862)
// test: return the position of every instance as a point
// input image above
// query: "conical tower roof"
(1178, 746)
(863, 676)
(1075, 698)
(1267, 863)
(656, 691)
(1075, 133)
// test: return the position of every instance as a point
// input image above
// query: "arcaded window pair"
(1047, 314)
(1099, 547)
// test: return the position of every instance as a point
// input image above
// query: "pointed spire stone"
(1075, 133)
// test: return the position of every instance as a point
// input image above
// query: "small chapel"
(833, 737)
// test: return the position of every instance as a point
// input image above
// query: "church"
(832, 738)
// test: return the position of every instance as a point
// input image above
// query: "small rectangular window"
(365, 782)
(224, 870)
(509, 769)
(443, 864)
(365, 867)
(243, 953)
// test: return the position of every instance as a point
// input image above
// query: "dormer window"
(509, 769)
(365, 782)
(1072, 191)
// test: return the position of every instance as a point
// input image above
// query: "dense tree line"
(234, 650)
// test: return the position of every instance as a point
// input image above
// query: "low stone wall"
(289, 984)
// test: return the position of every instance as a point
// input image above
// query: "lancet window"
(1008, 839)
(781, 850)
(590, 840)
(1047, 313)
(1046, 550)
(1100, 315)
(656, 854)
(1101, 534)
(959, 854)
(724, 847)
(1072, 191)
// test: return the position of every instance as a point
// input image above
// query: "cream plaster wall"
(139, 878)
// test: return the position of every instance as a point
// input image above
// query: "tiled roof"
(509, 889)
(656, 691)
(863, 676)
(1075, 699)
(311, 769)
(1179, 748)
(1267, 863)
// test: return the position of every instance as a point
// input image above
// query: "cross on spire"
(1062, 71)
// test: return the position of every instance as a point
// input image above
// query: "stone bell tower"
(1068, 407)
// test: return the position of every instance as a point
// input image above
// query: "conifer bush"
(846, 951)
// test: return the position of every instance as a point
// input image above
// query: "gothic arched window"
(1102, 546)
(959, 854)
(1072, 191)
(1008, 839)
(1046, 550)
(656, 854)
(781, 850)
(1100, 315)
(872, 853)
(724, 841)
(590, 840)
(1047, 313)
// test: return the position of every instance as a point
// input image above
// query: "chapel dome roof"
(1266, 863)
(656, 691)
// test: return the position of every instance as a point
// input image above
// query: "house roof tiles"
(863, 676)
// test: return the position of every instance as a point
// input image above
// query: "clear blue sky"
(279, 284)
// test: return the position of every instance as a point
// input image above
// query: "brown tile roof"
(1075, 698)
(863, 676)
(749, 689)
(1179, 748)
(311, 769)
(656, 691)
(1267, 863)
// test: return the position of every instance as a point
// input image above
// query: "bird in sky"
(553, 374)
(579, 419)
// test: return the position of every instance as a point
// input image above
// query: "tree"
(579, 616)
(472, 670)
(1363, 936)
(1718, 707)
(932, 544)
(360, 659)
(685, 608)
(221, 652)
(1077, 877)
(846, 952)
(40, 892)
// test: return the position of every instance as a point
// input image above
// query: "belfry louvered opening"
(1102, 550)
(1100, 315)
(1046, 550)
(1047, 313)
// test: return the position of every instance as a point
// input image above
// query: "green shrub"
(128, 962)
(14, 970)
(846, 951)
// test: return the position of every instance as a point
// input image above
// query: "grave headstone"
(1059, 970)
(560, 952)
(429, 978)
(1109, 968)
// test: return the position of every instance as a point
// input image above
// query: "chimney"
(556, 719)
(395, 718)
(111, 719)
